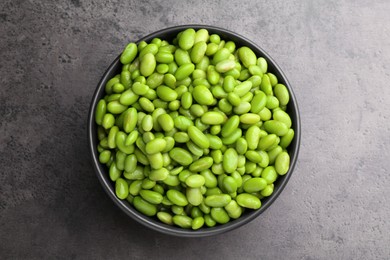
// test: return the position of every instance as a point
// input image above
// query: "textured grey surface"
(336, 55)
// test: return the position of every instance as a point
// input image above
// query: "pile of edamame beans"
(194, 131)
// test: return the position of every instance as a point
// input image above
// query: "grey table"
(336, 55)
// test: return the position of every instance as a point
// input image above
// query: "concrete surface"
(336, 55)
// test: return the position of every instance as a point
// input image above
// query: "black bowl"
(153, 223)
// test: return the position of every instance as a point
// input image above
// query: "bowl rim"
(155, 224)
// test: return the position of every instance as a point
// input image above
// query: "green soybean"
(194, 195)
(230, 126)
(187, 39)
(177, 198)
(148, 64)
(282, 94)
(100, 111)
(200, 165)
(197, 223)
(254, 185)
(282, 163)
(217, 200)
(248, 201)
(276, 127)
(144, 207)
(198, 137)
(165, 217)
(230, 160)
(286, 140)
(247, 56)
(129, 53)
(181, 156)
(182, 221)
(220, 215)
(121, 188)
(151, 196)
(202, 95)
(213, 118)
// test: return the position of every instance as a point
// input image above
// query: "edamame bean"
(231, 139)
(159, 174)
(186, 100)
(242, 108)
(148, 64)
(121, 188)
(144, 207)
(197, 223)
(155, 146)
(269, 174)
(147, 123)
(146, 104)
(151, 196)
(275, 127)
(194, 195)
(217, 200)
(164, 57)
(262, 63)
(184, 71)
(225, 65)
(104, 156)
(249, 118)
(130, 120)
(267, 191)
(247, 56)
(198, 166)
(230, 160)
(219, 215)
(281, 116)
(248, 201)
(182, 221)
(198, 137)
(213, 118)
(194, 149)
(254, 185)
(215, 141)
(233, 209)
(209, 221)
(101, 109)
(229, 184)
(286, 140)
(177, 198)
(129, 53)
(266, 141)
(181, 137)
(130, 163)
(273, 79)
(282, 163)
(230, 126)
(115, 107)
(187, 39)
(181, 156)
(128, 98)
(166, 122)
(135, 187)
(165, 217)
(272, 102)
(198, 51)
(234, 99)
(265, 85)
(182, 123)
(282, 94)
(210, 181)
(202, 95)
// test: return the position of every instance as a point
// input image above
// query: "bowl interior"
(102, 171)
